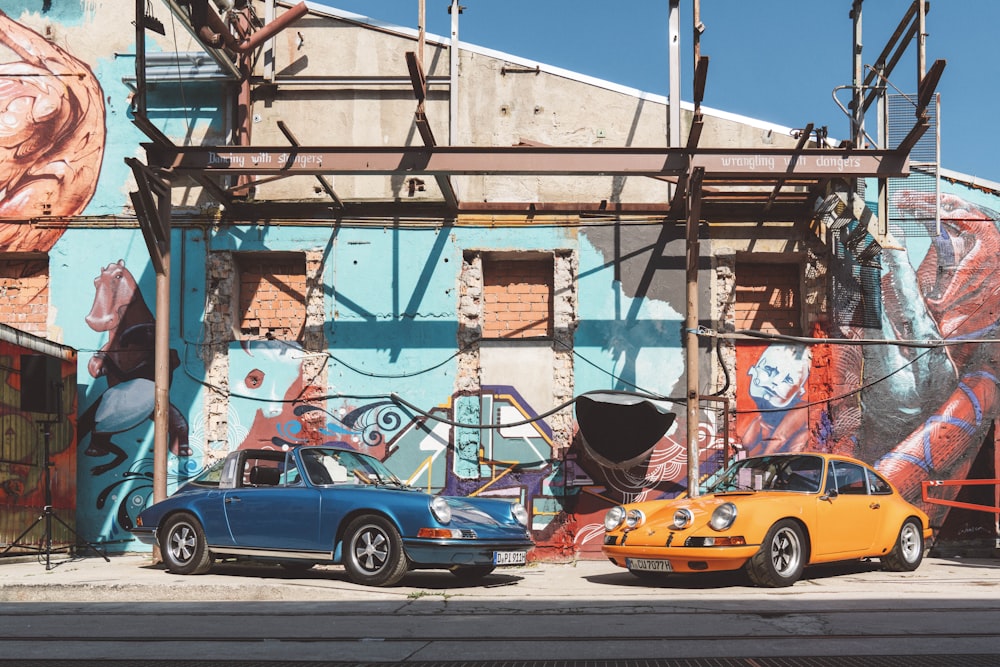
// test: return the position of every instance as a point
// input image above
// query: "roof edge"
(9, 334)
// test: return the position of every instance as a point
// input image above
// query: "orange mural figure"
(950, 393)
(52, 136)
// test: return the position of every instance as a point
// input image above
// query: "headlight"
(441, 509)
(723, 516)
(614, 517)
(634, 519)
(519, 513)
(683, 518)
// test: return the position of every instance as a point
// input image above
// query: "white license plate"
(648, 565)
(510, 557)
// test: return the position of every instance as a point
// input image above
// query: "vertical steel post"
(453, 76)
(161, 359)
(857, 101)
(674, 101)
(691, 328)
(421, 30)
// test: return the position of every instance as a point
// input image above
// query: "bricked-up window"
(768, 298)
(24, 293)
(272, 295)
(517, 297)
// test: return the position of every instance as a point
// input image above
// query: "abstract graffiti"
(52, 135)
(512, 456)
(126, 362)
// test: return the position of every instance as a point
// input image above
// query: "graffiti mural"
(918, 411)
(770, 395)
(126, 362)
(52, 136)
(566, 494)
(931, 407)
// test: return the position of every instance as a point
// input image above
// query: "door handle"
(233, 499)
(875, 506)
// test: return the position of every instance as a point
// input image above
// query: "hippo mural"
(126, 362)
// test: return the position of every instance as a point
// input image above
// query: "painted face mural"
(776, 382)
(52, 135)
(779, 376)
(126, 362)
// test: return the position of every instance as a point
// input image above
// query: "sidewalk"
(134, 577)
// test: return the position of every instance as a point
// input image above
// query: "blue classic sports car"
(311, 505)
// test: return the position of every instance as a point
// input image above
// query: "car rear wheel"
(781, 558)
(908, 552)
(373, 552)
(183, 546)
(472, 572)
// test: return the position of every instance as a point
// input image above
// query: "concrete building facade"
(446, 317)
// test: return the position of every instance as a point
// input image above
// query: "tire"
(373, 552)
(781, 558)
(908, 552)
(183, 546)
(472, 572)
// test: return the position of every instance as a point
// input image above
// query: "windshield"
(801, 473)
(325, 465)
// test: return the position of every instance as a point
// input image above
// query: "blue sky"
(774, 60)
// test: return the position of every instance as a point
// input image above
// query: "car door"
(847, 516)
(275, 510)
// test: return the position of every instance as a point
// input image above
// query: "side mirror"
(830, 495)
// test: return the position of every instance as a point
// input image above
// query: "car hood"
(703, 506)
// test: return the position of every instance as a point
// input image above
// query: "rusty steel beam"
(523, 160)
(714, 210)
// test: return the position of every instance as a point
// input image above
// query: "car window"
(848, 478)
(803, 473)
(211, 476)
(329, 466)
(290, 472)
(877, 485)
(800, 473)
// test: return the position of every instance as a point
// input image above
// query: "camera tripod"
(48, 514)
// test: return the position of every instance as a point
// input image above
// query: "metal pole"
(921, 40)
(161, 360)
(691, 328)
(674, 108)
(857, 112)
(453, 75)
(421, 29)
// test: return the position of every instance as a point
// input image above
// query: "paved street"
(136, 612)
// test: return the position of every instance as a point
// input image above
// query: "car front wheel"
(781, 558)
(183, 546)
(908, 552)
(373, 552)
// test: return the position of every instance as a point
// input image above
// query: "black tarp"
(618, 428)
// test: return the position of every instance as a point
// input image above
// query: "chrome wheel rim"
(909, 542)
(182, 543)
(371, 549)
(786, 552)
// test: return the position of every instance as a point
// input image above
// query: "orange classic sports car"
(771, 515)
